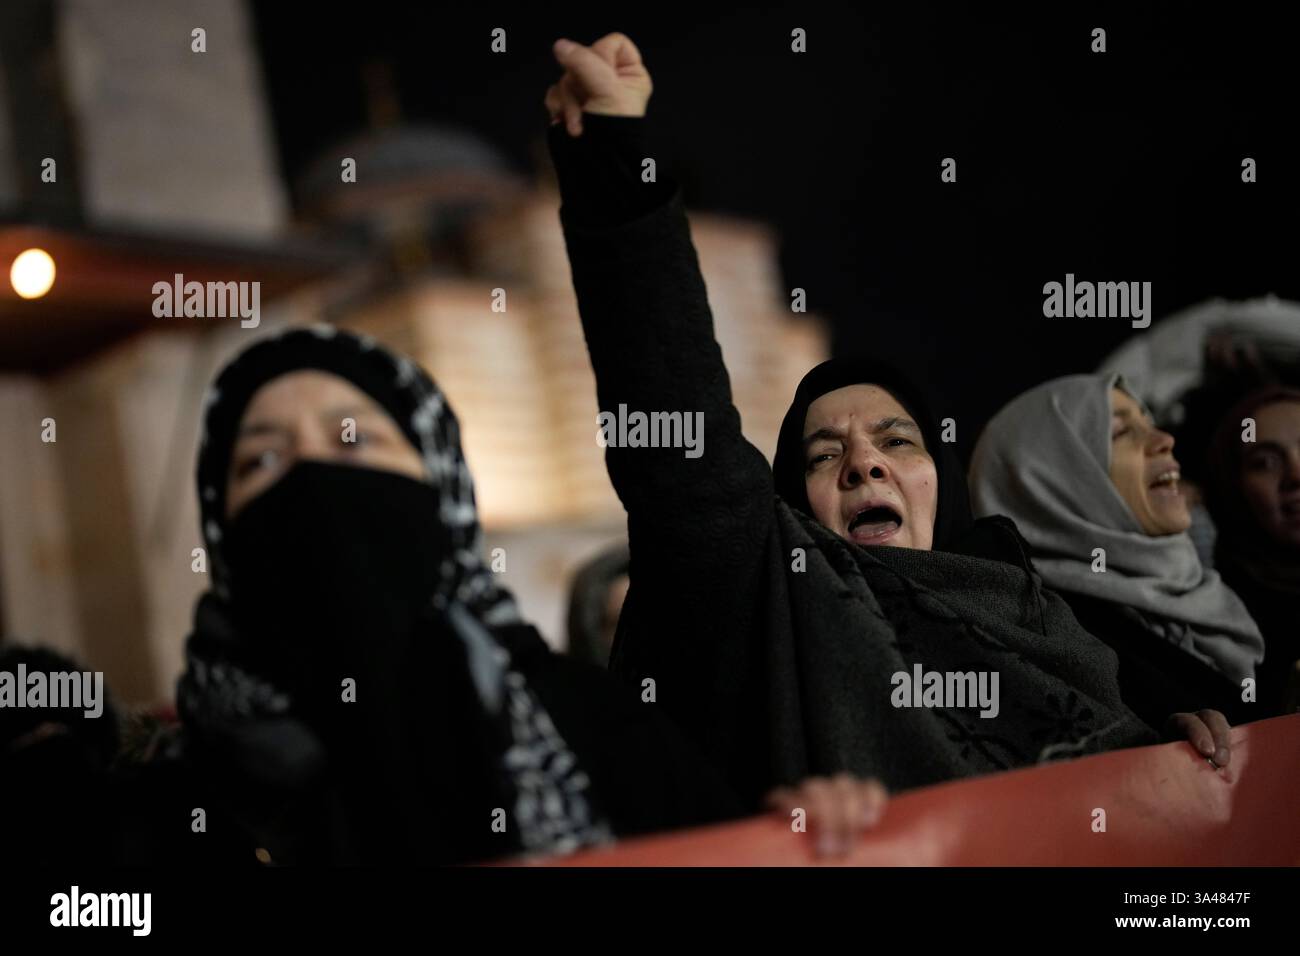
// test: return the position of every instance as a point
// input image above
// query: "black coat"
(1156, 678)
(770, 640)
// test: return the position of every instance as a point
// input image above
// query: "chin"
(1173, 525)
(1169, 519)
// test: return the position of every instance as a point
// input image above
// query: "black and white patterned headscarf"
(552, 808)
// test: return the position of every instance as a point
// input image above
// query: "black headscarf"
(953, 513)
(343, 571)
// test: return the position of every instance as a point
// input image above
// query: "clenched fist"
(607, 77)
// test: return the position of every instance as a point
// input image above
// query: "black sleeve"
(649, 332)
(699, 529)
(600, 172)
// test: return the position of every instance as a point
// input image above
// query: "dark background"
(1120, 166)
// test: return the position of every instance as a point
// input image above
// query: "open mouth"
(874, 525)
(1166, 483)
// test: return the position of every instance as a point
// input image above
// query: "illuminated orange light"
(32, 273)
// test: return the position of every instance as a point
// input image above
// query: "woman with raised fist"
(790, 616)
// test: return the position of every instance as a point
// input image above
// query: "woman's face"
(1144, 470)
(300, 416)
(868, 475)
(1270, 472)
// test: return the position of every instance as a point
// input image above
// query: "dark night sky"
(1122, 166)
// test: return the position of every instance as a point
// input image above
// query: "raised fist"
(607, 77)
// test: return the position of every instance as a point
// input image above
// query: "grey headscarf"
(1044, 462)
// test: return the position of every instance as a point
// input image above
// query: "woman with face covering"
(358, 687)
(839, 611)
(1092, 484)
(1254, 497)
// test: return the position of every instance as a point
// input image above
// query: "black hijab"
(338, 572)
(953, 513)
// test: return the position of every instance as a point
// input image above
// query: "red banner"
(1160, 806)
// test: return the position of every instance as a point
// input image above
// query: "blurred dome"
(425, 177)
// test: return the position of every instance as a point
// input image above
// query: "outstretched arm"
(647, 322)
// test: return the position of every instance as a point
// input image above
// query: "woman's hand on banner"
(1207, 731)
(835, 811)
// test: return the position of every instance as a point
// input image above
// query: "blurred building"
(172, 154)
(521, 382)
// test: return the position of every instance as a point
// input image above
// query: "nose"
(312, 442)
(1291, 473)
(866, 463)
(1160, 442)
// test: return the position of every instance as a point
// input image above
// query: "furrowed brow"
(822, 434)
(893, 422)
(901, 424)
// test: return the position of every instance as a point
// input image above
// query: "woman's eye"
(263, 459)
(1121, 433)
(889, 443)
(817, 459)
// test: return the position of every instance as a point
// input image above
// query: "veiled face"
(305, 416)
(1143, 468)
(1270, 472)
(868, 475)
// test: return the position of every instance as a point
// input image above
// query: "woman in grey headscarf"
(1092, 484)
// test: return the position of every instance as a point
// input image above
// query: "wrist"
(609, 107)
